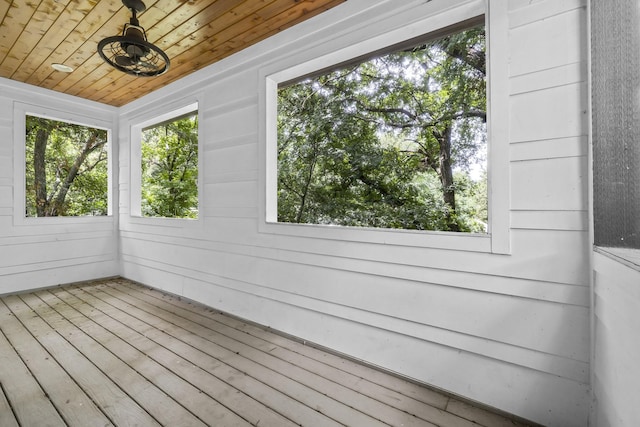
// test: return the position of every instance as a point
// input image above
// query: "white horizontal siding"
(6, 159)
(456, 309)
(552, 184)
(226, 234)
(221, 163)
(563, 24)
(220, 127)
(511, 331)
(550, 220)
(240, 194)
(36, 253)
(212, 250)
(532, 118)
(545, 149)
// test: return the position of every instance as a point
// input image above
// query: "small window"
(169, 168)
(66, 169)
(396, 141)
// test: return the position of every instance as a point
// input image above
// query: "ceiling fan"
(130, 52)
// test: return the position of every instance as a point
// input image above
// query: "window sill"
(628, 257)
(395, 237)
(62, 220)
(166, 222)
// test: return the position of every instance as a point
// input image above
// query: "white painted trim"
(498, 126)
(625, 256)
(149, 118)
(591, 230)
(442, 15)
(74, 116)
(55, 100)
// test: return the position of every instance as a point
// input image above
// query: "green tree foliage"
(388, 142)
(170, 169)
(66, 169)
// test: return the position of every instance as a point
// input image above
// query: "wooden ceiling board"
(194, 33)
(86, 28)
(32, 34)
(16, 19)
(51, 40)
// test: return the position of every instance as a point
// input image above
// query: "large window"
(393, 138)
(169, 167)
(398, 140)
(66, 170)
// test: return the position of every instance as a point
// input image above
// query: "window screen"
(616, 122)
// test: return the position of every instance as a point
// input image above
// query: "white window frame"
(170, 111)
(497, 240)
(21, 111)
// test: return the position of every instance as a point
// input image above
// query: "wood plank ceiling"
(34, 34)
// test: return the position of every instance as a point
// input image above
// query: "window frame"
(497, 239)
(169, 111)
(21, 111)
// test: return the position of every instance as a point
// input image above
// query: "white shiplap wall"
(511, 331)
(44, 252)
(616, 372)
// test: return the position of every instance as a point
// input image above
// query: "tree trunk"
(40, 173)
(305, 192)
(446, 177)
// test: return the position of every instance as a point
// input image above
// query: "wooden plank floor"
(116, 353)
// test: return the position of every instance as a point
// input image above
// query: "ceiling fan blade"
(124, 61)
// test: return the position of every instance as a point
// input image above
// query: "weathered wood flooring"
(116, 353)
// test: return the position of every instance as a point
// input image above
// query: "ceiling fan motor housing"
(134, 33)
